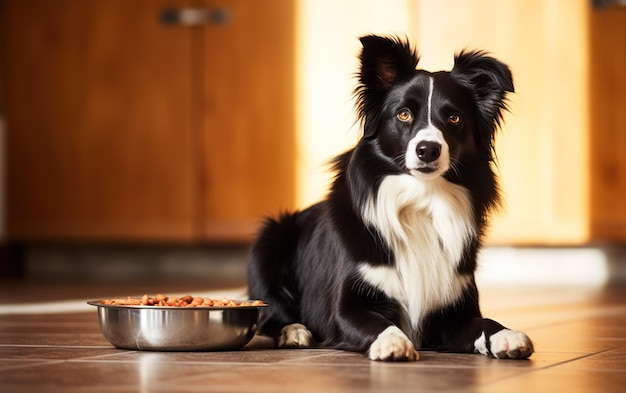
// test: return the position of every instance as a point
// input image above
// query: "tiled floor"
(579, 333)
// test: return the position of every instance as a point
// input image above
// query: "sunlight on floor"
(543, 266)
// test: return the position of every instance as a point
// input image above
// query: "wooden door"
(98, 113)
(248, 125)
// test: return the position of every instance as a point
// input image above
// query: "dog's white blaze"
(432, 134)
(427, 225)
(431, 84)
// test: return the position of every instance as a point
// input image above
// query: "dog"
(384, 265)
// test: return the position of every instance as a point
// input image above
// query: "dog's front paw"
(510, 344)
(295, 335)
(392, 345)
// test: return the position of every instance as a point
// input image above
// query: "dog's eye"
(404, 115)
(454, 119)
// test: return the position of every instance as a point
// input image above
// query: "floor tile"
(574, 337)
(54, 352)
(6, 364)
(373, 377)
(612, 360)
(252, 357)
(55, 339)
(85, 375)
(560, 380)
(452, 360)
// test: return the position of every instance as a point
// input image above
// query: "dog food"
(185, 301)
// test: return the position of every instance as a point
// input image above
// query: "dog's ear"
(384, 61)
(488, 79)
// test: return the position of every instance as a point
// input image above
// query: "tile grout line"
(548, 367)
(57, 346)
(36, 363)
(580, 358)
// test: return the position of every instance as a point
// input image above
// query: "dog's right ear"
(384, 61)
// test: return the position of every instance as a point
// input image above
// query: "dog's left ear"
(488, 79)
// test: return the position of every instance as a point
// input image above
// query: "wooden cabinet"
(122, 127)
(248, 149)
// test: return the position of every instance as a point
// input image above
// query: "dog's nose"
(428, 151)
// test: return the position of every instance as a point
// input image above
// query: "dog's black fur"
(385, 264)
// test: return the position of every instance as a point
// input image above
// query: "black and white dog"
(385, 264)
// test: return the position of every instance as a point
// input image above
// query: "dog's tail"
(271, 272)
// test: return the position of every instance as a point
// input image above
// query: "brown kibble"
(161, 300)
(132, 302)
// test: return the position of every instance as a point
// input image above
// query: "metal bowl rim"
(171, 308)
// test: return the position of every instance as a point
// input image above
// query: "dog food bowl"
(177, 328)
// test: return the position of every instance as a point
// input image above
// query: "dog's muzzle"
(428, 152)
(427, 155)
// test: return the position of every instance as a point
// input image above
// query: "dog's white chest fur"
(427, 224)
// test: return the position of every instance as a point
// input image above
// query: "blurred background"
(146, 139)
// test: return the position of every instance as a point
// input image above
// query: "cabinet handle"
(599, 4)
(194, 16)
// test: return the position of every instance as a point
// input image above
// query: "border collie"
(384, 265)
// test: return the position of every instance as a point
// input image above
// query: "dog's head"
(430, 124)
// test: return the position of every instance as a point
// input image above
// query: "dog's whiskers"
(454, 166)
(399, 160)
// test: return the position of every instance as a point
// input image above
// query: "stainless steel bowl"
(177, 328)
